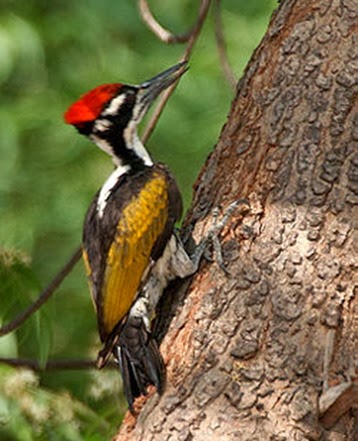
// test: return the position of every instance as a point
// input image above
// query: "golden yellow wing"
(141, 223)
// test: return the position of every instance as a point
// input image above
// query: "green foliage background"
(50, 53)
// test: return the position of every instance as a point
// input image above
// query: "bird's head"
(110, 113)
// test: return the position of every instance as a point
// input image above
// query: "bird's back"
(121, 239)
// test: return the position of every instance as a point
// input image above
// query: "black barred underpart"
(139, 360)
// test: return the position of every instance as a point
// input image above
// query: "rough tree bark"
(258, 353)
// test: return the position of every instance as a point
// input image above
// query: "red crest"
(91, 104)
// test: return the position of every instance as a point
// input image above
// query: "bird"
(130, 247)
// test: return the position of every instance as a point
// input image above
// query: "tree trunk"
(265, 351)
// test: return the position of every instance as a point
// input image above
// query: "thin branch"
(221, 45)
(157, 29)
(203, 11)
(44, 296)
(51, 365)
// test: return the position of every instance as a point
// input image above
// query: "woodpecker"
(130, 248)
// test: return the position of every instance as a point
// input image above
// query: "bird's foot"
(212, 236)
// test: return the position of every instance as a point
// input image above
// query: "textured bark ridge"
(266, 352)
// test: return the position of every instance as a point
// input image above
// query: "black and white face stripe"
(102, 124)
(118, 112)
(115, 131)
(115, 105)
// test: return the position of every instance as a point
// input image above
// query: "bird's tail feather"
(139, 360)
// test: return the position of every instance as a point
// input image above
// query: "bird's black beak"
(150, 89)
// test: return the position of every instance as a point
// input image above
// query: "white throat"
(133, 142)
